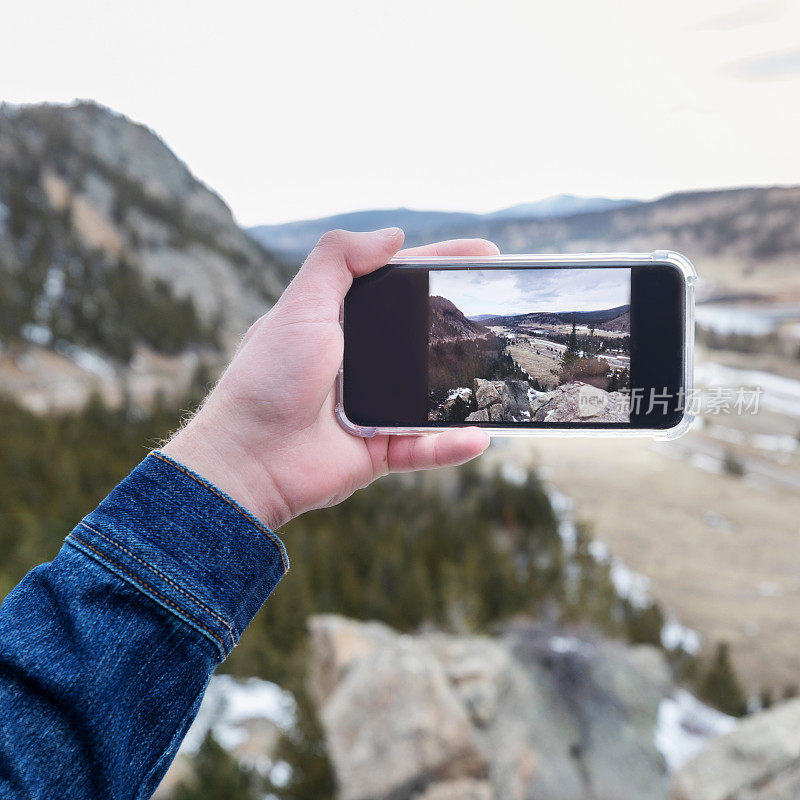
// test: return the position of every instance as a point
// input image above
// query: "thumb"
(339, 257)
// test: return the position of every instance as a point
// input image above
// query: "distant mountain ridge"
(602, 318)
(742, 240)
(295, 239)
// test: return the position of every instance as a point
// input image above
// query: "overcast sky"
(504, 291)
(296, 109)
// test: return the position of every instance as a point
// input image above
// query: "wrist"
(231, 468)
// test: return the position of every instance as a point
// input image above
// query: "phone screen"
(529, 345)
(523, 346)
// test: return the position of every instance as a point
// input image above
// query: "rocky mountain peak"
(112, 251)
(448, 322)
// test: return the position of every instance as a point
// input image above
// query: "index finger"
(454, 247)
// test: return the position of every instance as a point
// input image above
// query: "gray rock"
(515, 400)
(580, 402)
(335, 643)
(486, 393)
(393, 723)
(759, 760)
(530, 716)
(505, 401)
(478, 416)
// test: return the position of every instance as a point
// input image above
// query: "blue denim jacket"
(106, 651)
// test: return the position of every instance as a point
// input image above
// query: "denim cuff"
(188, 546)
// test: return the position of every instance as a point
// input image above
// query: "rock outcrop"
(113, 255)
(500, 401)
(514, 401)
(448, 323)
(580, 402)
(529, 716)
(759, 760)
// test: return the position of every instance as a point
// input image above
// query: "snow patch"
(778, 394)
(567, 644)
(514, 474)
(229, 703)
(564, 510)
(87, 360)
(633, 586)
(684, 725)
(675, 636)
(461, 392)
(36, 334)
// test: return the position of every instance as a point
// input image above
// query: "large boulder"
(393, 723)
(486, 392)
(580, 402)
(533, 715)
(500, 401)
(759, 760)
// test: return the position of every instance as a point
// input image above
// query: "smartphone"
(521, 345)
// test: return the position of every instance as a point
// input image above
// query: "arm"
(105, 652)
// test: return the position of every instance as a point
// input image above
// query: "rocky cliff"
(447, 322)
(112, 255)
(532, 715)
(515, 401)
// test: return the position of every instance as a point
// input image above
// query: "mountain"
(115, 261)
(608, 319)
(560, 205)
(621, 323)
(447, 322)
(740, 240)
(295, 239)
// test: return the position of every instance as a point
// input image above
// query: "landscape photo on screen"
(535, 345)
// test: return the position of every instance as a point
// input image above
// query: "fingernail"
(389, 233)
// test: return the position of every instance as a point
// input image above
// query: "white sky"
(502, 292)
(299, 109)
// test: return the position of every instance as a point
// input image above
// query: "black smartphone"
(534, 344)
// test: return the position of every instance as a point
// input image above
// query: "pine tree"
(721, 687)
(572, 344)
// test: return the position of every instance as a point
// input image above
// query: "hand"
(267, 434)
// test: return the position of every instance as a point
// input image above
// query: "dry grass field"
(538, 365)
(721, 552)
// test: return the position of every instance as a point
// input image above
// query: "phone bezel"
(670, 258)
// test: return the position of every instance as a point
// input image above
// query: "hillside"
(113, 256)
(295, 239)
(741, 240)
(608, 319)
(447, 322)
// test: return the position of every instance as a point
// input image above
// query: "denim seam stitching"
(211, 488)
(158, 594)
(164, 577)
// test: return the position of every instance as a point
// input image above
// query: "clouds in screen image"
(523, 291)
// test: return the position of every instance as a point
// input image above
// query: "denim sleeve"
(106, 651)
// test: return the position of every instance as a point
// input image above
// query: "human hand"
(267, 434)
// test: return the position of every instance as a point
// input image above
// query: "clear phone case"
(563, 261)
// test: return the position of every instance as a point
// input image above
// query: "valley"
(531, 353)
